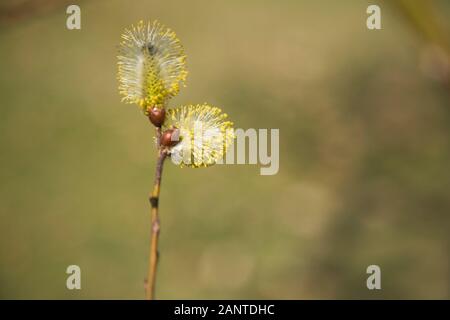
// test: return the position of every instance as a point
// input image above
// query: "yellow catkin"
(205, 134)
(151, 65)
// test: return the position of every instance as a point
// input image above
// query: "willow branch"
(155, 225)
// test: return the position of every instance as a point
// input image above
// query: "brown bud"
(156, 116)
(170, 137)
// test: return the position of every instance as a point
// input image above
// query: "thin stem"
(153, 257)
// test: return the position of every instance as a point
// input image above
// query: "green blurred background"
(364, 153)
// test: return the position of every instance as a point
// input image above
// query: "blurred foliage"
(364, 138)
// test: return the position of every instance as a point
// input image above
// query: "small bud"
(170, 137)
(157, 116)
